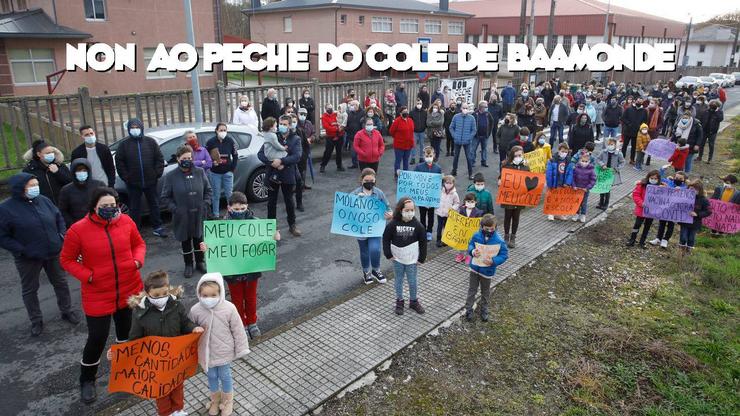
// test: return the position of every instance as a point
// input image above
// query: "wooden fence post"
(86, 107)
(26, 121)
(316, 94)
(221, 110)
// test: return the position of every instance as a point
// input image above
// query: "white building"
(711, 45)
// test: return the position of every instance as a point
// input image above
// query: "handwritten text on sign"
(358, 216)
(151, 367)
(459, 230)
(487, 253)
(536, 160)
(240, 246)
(669, 204)
(604, 180)
(423, 188)
(660, 148)
(725, 217)
(562, 201)
(460, 88)
(520, 188)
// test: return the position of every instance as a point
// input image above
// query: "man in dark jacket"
(632, 118)
(75, 197)
(497, 113)
(612, 116)
(355, 118)
(402, 97)
(98, 156)
(557, 117)
(484, 126)
(32, 229)
(710, 120)
(308, 104)
(46, 163)
(140, 164)
(419, 117)
(580, 133)
(270, 105)
(507, 133)
(286, 175)
(223, 150)
(508, 94)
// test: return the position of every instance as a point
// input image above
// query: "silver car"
(249, 176)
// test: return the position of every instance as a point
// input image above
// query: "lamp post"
(194, 76)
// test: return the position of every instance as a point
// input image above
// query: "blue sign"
(424, 56)
(423, 188)
(358, 216)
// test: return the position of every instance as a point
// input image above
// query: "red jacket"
(107, 271)
(369, 147)
(678, 158)
(722, 94)
(402, 131)
(638, 195)
(329, 122)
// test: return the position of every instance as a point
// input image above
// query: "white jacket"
(447, 201)
(246, 118)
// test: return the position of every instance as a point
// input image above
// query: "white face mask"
(407, 215)
(541, 141)
(435, 110)
(518, 160)
(479, 187)
(244, 103)
(584, 163)
(470, 205)
(159, 303)
(90, 139)
(302, 118)
(429, 160)
(209, 303)
(653, 181)
(611, 148)
(449, 186)
(221, 135)
(418, 106)
(563, 155)
(464, 111)
(644, 131)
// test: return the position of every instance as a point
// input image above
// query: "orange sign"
(520, 188)
(562, 201)
(151, 367)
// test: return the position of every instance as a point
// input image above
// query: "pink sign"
(725, 217)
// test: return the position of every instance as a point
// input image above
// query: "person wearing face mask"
(506, 135)
(559, 171)
(484, 126)
(423, 96)
(514, 160)
(691, 130)
(524, 100)
(727, 191)
(402, 131)
(419, 116)
(405, 244)
(638, 196)
(223, 150)
(449, 114)
(32, 230)
(482, 270)
(334, 134)
(438, 96)
(557, 118)
(580, 133)
(449, 199)
(463, 129)
(74, 196)
(222, 342)
(355, 119)
(46, 163)
(288, 106)
(710, 121)
(643, 138)
(527, 120)
(583, 178)
(508, 94)
(369, 146)
(244, 114)
(389, 107)
(435, 127)
(665, 228)
(201, 157)
(307, 132)
(467, 209)
(701, 210)
(187, 193)
(370, 246)
(402, 98)
(98, 155)
(426, 214)
(270, 105)
(610, 158)
(540, 142)
(307, 102)
(108, 273)
(632, 118)
(671, 115)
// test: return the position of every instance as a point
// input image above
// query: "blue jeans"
(409, 271)
(584, 204)
(689, 163)
(220, 182)
(483, 142)
(222, 373)
(611, 132)
(465, 148)
(370, 253)
(688, 235)
(418, 144)
(401, 156)
(556, 128)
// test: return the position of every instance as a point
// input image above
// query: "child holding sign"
(584, 177)
(428, 166)
(702, 209)
(489, 251)
(370, 246)
(223, 341)
(540, 142)
(610, 158)
(514, 160)
(449, 199)
(469, 210)
(665, 228)
(638, 195)
(559, 171)
(404, 242)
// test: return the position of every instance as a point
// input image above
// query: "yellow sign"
(459, 230)
(536, 160)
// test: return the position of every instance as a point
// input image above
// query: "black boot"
(88, 391)
(633, 238)
(200, 263)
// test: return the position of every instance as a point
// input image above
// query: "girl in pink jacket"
(223, 341)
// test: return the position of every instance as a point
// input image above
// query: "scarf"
(654, 119)
(683, 132)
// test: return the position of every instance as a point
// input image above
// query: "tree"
(233, 21)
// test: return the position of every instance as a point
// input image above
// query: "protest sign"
(407, 254)
(520, 188)
(536, 160)
(487, 253)
(725, 217)
(464, 88)
(604, 180)
(240, 246)
(562, 201)
(358, 216)
(423, 188)
(669, 204)
(660, 148)
(459, 230)
(151, 367)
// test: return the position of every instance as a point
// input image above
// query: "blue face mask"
(135, 132)
(282, 129)
(49, 157)
(81, 176)
(33, 191)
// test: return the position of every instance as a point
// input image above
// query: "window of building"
(361, 20)
(474, 39)
(160, 74)
(95, 9)
(287, 24)
(492, 38)
(540, 40)
(702, 48)
(452, 58)
(432, 27)
(409, 25)
(382, 24)
(455, 28)
(581, 41)
(343, 19)
(200, 68)
(699, 63)
(551, 43)
(31, 66)
(567, 43)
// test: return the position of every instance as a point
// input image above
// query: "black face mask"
(238, 215)
(186, 164)
(404, 115)
(108, 213)
(678, 182)
(368, 185)
(329, 111)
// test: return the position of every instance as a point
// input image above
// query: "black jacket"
(288, 174)
(50, 183)
(419, 118)
(402, 234)
(355, 120)
(149, 321)
(228, 150)
(75, 196)
(106, 159)
(632, 118)
(310, 107)
(31, 229)
(139, 161)
(612, 115)
(702, 209)
(710, 121)
(270, 108)
(579, 135)
(489, 118)
(424, 97)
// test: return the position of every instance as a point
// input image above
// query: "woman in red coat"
(638, 196)
(369, 146)
(402, 131)
(104, 251)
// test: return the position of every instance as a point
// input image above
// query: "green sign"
(604, 180)
(240, 246)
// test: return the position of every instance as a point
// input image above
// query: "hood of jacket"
(18, 183)
(80, 161)
(212, 277)
(139, 300)
(134, 122)
(31, 155)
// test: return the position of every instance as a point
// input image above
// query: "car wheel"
(257, 186)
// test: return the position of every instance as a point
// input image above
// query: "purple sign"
(660, 148)
(669, 204)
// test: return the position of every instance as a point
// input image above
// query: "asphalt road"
(40, 374)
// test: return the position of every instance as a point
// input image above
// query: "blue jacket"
(669, 181)
(498, 260)
(508, 94)
(423, 167)
(558, 172)
(31, 229)
(288, 174)
(463, 128)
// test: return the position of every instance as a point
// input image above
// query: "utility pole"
(686, 48)
(523, 22)
(530, 33)
(194, 75)
(733, 55)
(551, 27)
(606, 22)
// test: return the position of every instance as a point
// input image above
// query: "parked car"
(249, 176)
(723, 79)
(730, 80)
(737, 77)
(707, 81)
(687, 81)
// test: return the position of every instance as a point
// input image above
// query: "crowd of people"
(97, 240)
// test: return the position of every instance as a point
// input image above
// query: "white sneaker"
(575, 218)
(655, 241)
(583, 217)
(663, 243)
(551, 218)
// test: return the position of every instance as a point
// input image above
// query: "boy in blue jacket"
(483, 267)
(559, 171)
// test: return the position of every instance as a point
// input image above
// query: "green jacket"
(148, 321)
(484, 199)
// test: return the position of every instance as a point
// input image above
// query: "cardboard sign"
(604, 180)
(536, 160)
(725, 217)
(562, 201)
(669, 204)
(520, 188)
(487, 253)
(358, 216)
(464, 88)
(240, 246)
(459, 230)
(151, 367)
(423, 188)
(660, 148)
(407, 254)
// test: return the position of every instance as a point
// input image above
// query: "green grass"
(10, 142)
